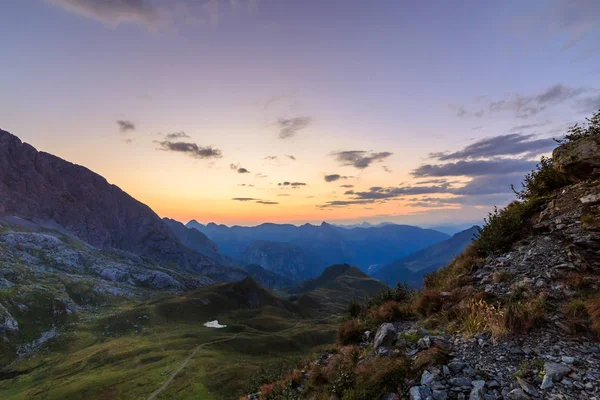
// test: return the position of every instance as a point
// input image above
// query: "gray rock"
(415, 393)
(517, 394)
(477, 392)
(385, 335)
(427, 378)
(546, 383)
(590, 199)
(528, 388)
(556, 371)
(424, 343)
(460, 381)
(567, 360)
(390, 396)
(456, 366)
(439, 395)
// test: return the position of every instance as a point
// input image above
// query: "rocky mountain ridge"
(41, 187)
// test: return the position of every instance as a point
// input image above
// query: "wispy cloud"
(504, 145)
(239, 169)
(252, 199)
(113, 12)
(360, 159)
(288, 127)
(475, 168)
(294, 184)
(334, 177)
(190, 149)
(526, 106)
(176, 135)
(125, 126)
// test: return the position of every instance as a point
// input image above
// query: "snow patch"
(214, 324)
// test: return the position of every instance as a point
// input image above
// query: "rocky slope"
(49, 280)
(514, 317)
(41, 187)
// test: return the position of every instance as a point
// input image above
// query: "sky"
(251, 111)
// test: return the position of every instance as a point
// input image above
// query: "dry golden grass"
(350, 331)
(501, 276)
(428, 302)
(478, 316)
(456, 274)
(389, 312)
(593, 310)
(429, 358)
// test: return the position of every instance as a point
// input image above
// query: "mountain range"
(301, 252)
(412, 268)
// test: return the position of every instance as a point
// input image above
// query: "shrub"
(430, 357)
(401, 293)
(294, 377)
(541, 181)
(593, 309)
(504, 227)
(428, 302)
(381, 376)
(389, 312)
(577, 314)
(576, 132)
(350, 331)
(354, 309)
(523, 316)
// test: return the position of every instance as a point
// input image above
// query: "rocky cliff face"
(39, 186)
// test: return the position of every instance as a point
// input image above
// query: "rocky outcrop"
(578, 159)
(41, 187)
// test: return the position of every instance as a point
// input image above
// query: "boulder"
(385, 336)
(578, 159)
(556, 371)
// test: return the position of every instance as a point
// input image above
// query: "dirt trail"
(197, 348)
(184, 363)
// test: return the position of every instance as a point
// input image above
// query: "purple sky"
(418, 112)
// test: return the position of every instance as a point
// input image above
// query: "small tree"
(590, 128)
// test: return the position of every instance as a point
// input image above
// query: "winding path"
(184, 363)
(197, 348)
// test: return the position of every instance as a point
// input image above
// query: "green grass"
(130, 352)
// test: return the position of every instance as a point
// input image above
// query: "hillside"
(49, 280)
(412, 268)
(132, 350)
(282, 258)
(41, 187)
(336, 287)
(516, 316)
(312, 248)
